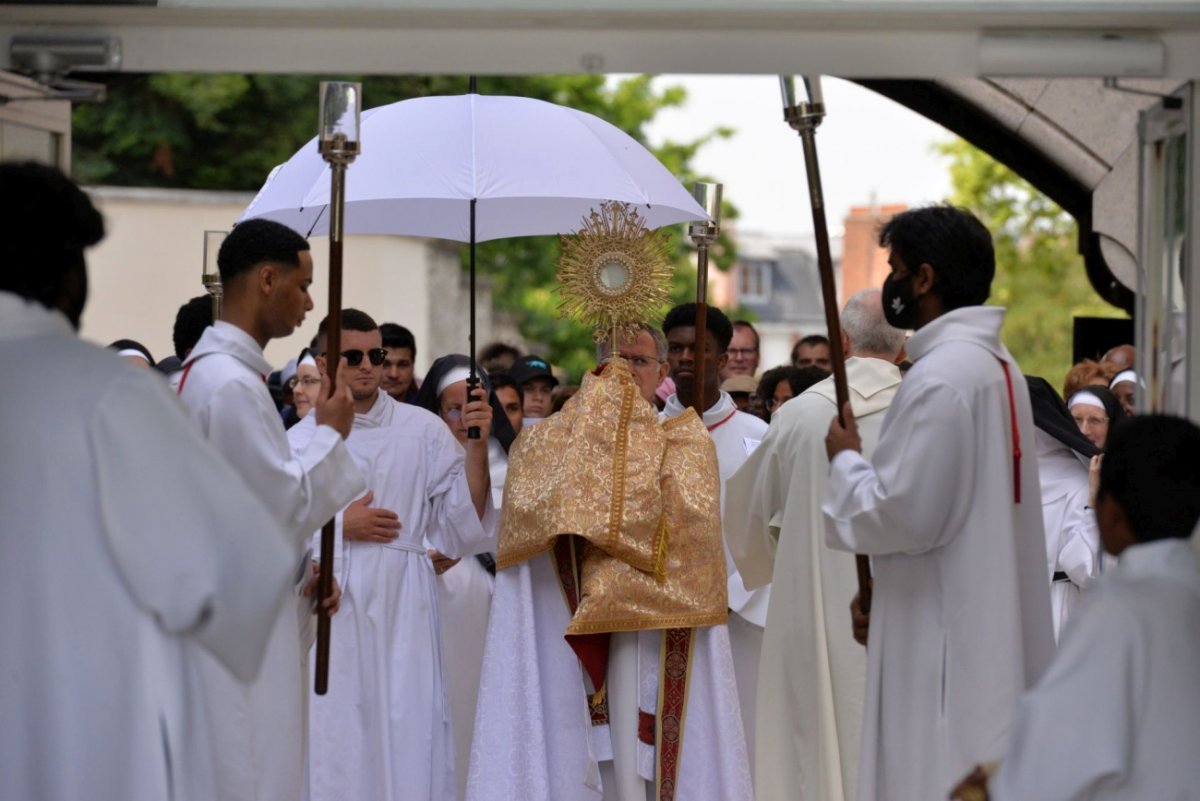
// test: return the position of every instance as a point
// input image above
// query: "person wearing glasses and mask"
(384, 727)
(257, 729)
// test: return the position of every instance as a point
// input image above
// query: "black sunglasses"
(354, 357)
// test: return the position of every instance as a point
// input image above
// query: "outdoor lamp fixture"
(703, 233)
(210, 275)
(337, 141)
(804, 116)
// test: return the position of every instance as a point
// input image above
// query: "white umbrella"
(532, 167)
(472, 168)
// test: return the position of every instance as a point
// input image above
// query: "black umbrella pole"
(473, 378)
(333, 358)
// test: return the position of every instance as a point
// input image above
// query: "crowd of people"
(1028, 629)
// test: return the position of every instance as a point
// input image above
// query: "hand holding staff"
(804, 117)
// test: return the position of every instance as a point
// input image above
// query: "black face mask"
(899, 303)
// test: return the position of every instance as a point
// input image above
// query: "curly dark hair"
(954, 243)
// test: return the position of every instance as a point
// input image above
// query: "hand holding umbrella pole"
(341, 104)
(804, 116)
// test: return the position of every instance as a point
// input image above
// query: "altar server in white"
(951, 515)
(383, 731)
(1117, 714)
(736, 434)
(812, 674)
(128, 546)
(258, 728)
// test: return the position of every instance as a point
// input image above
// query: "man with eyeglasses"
(385, 726)
(742, 350)
(257, 729)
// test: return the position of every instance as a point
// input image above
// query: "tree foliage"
(227, 131)
(1040, 276)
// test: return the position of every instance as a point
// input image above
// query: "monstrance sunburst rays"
(614, 274)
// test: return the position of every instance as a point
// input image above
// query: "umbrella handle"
(472, 383)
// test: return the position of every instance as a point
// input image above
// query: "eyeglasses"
(308, 381)
(1089, 422)
(354, 357)
(737, 352)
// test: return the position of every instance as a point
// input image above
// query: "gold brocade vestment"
(643, 496)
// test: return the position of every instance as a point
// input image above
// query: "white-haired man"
(812, 674)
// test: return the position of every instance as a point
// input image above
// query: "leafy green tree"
(227, 131)
(1040, 276)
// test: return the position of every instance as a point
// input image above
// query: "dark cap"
(527, 368)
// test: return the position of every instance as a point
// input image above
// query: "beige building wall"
(150, 262)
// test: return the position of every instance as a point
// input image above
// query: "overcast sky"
(867, 144)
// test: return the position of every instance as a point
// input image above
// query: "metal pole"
(703, 233)
(804, 117)
(333, 351)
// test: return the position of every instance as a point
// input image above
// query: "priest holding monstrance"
(607, 671)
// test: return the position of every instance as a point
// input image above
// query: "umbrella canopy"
(533, 167)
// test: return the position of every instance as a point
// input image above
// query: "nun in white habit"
(1072, 535)
(465, 590)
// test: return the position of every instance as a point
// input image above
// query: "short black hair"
(352, 320)
(397, 336)
(46, 222)
(954, 243)
(753, 330)
(1151, 468)
(811, 339)
(256, 242)
(501, 379)
(190, 321)
(684, 315)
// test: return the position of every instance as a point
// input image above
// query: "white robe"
(812, 675)
(960, 624)
(258, 729)
(534, 738)
(464, 602)
(128, 549)
(383, 731)
(1072, 535)
(736, 435)
(1117, 714)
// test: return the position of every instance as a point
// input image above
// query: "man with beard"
(950, 514)
(383, 731)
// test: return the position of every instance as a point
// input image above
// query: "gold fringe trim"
(599, 696)
(660, 557)
(692, 621)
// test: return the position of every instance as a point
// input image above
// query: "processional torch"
(703, 233)
(341, 107)
(210, 276)
(804, 116)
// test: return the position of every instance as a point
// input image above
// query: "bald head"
(1121, 357)
(867, 330)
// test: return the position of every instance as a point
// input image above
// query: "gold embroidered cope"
(643, 495)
